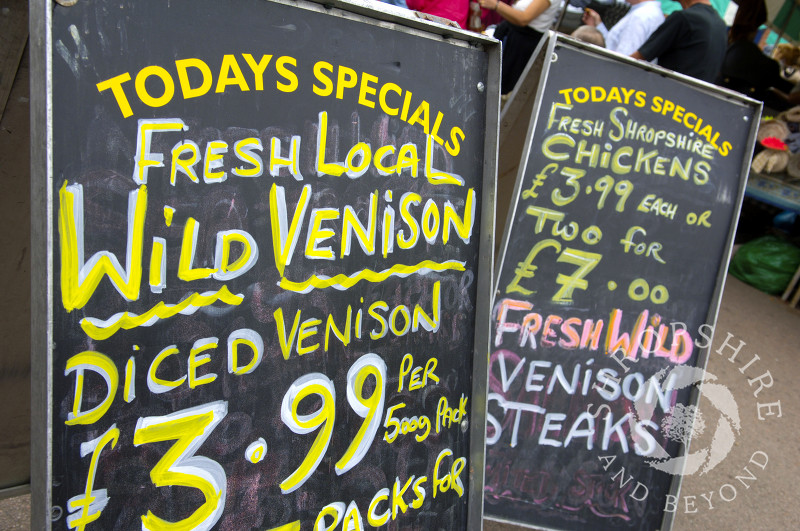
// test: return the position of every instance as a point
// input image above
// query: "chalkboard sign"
(613, 261)
(269, 233)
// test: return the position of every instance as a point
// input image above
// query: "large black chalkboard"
(613, 260)
(271, 243)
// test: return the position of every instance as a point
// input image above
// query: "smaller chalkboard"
(613, 259)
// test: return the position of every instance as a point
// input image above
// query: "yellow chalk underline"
(99, 329)
(343, 282)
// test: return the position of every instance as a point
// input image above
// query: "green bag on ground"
(767, 263)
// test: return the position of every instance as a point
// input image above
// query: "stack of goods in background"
(769, 256)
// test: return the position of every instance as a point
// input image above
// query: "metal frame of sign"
(513, 131)
(555, 39)
(42, 237)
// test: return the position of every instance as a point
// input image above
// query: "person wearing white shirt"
(524, 25)
(627, 35)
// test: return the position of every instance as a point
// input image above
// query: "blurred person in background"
(590, 34)
(524, 25)
(627, 35)
(746, 68)
(456, 10)
(691, 41)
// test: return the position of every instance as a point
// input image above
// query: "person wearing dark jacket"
(525, 24)
(746, 68)
(691, 41)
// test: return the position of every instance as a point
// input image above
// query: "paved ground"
(772, 331)
(769, 329)
(15, 513)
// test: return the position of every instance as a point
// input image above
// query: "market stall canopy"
(783, 16)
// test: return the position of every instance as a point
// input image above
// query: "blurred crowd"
(693, 41)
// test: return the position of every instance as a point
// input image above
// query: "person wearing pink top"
(456, 10)
(525, 23)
